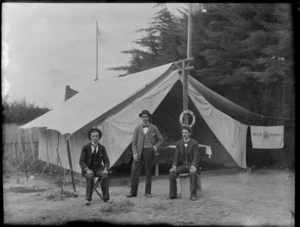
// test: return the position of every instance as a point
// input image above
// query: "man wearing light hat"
(145, 142)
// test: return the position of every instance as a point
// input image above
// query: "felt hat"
(94, 130)
(145, 112)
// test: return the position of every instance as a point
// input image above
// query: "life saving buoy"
(184, 113)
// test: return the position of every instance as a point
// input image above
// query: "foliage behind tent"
(20, 111)
(244, 51)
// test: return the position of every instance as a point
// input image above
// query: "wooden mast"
(185, 69)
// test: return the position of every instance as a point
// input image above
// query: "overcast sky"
(46, 46)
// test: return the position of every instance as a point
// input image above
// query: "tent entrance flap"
(231, 133)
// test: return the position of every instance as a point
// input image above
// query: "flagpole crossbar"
(185, 60)
(179, 64)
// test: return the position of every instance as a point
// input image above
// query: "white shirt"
(145, 129)
(92, 146)
(185, 142)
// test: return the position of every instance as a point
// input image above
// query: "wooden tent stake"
(44, 169)
(70, 162)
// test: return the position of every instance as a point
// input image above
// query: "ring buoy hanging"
(184, 113)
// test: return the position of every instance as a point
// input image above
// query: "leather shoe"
(87, 202)
(106, 201)
(148, 195)
(130, 195)
(173, 197)
(193, 198)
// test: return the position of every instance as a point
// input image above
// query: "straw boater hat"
(94, 130)
(145, 112)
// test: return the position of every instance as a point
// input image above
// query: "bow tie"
(145, 126)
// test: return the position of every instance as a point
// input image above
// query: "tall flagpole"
(96, 51)
(185, 73)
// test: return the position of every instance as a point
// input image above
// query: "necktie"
(145, 126)
(94, 146)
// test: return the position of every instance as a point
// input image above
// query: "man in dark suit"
(186, 160)
(145, 142)
(91, 158)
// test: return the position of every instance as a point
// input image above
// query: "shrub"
(20, 111)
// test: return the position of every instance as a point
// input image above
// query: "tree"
(20, 111)
(162, 44)
(247, 47)
(242, 47)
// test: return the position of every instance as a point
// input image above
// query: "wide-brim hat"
(94, 130)
(145, 112)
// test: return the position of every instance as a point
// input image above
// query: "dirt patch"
(24, 190)
(118, 207)
(59, 196)
(262, 198)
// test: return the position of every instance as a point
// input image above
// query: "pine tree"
(245, 47)
(161, 44)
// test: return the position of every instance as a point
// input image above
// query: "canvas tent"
(113, 104)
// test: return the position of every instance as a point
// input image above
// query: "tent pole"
(185, 95)
(70, 162)
(185, 72)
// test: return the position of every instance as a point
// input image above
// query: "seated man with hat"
(145, 142)
(91, 158)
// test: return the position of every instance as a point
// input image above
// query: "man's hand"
(173, 169)
(136, 158)
(192, 169)
(88, 171)
(105, 171)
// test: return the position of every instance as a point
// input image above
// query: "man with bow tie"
(91, 158)
(186, 160)
(145, 142)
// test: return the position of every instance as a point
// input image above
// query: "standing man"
(186, 160)
(145, 142)
(91, 158)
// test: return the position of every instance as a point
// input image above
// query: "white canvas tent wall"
(113, 105)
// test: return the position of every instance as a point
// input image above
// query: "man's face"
(95, 137)
(185, 134)
(145, 118)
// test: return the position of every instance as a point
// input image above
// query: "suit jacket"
(86, 157)
(156, 138)
(193, 154)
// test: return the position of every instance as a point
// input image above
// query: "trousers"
(146, 158)
(173, 184)
(90, 184)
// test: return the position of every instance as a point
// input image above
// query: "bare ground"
(228, 197)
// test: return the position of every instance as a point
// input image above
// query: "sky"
(46, 46)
